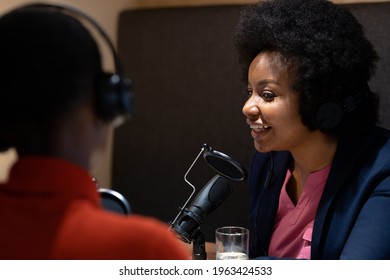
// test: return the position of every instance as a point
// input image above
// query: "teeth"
(260, 127)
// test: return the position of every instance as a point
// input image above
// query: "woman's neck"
(313, 155)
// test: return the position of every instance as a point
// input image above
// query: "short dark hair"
(48, 62)
(324, 47)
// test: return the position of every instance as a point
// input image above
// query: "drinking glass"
(232, 243)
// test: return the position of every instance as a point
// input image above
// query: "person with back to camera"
(57, 108)
(320, 179)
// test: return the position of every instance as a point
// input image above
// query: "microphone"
(190, 219)
(187, 224)
(114, 201)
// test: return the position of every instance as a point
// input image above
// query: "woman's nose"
(251, 109)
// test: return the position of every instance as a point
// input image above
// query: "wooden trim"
(181, 3)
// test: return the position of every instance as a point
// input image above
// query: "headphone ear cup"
(328, 115)
(113, 97)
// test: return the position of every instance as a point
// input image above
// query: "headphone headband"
(114, 93)
(72, 10)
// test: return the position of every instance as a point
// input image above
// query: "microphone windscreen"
(225, 165)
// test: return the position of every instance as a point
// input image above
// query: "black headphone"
(113, 92)
(329, 114)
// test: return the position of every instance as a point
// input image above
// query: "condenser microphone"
(191, 219)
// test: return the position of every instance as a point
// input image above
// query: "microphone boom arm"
(188, 182)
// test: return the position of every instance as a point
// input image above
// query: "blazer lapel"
(268, 200)
(342, 166)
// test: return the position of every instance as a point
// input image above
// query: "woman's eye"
(268, 96)
(249, 92)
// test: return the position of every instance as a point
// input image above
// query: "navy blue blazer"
(353, 216)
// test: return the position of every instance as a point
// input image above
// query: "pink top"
(293, 227)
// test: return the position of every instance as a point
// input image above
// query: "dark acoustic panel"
(188, 92)
(375, 18)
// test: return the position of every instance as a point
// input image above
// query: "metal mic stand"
(199, 247)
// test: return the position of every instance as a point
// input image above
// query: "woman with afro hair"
(320, 179)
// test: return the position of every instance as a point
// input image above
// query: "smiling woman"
(272, 109)
(311, 116)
